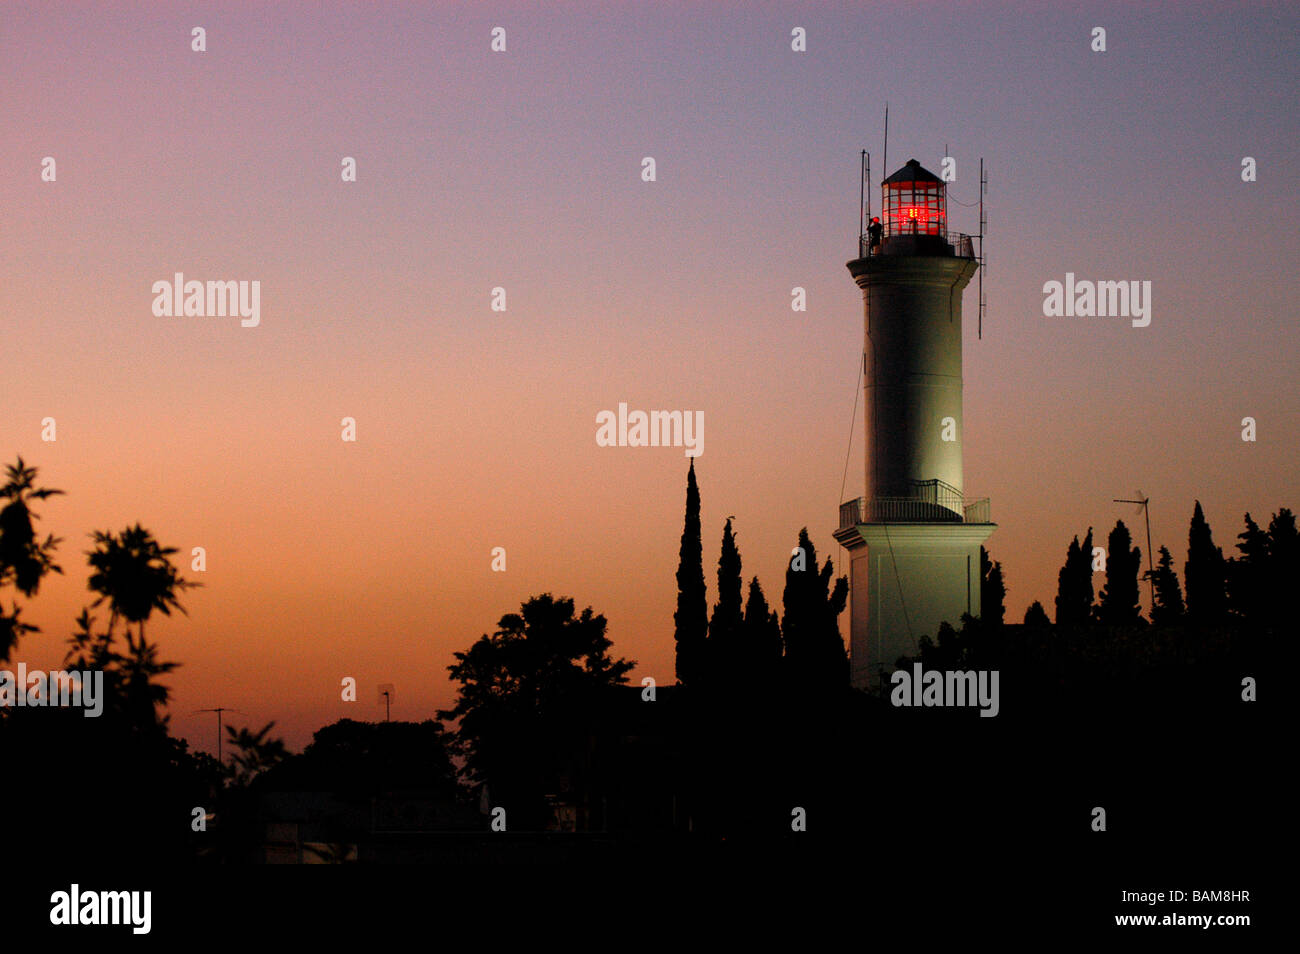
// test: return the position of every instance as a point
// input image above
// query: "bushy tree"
(525, 695)
(254, 752)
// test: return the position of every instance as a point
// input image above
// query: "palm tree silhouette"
(144, 697)
(24, 559)
(254, 751)
(136, 576)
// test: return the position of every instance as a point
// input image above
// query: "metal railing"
(937, 492)
(962, 244)
(913, 510)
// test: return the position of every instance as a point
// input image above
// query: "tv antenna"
(218, 711)
(984, 188)
(864, 203)
(1143, 507)
(984, 224)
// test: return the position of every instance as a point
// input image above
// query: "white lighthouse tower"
(914, 539)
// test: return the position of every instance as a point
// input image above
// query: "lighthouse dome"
(913, 171)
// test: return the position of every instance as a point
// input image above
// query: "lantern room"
(914, 202)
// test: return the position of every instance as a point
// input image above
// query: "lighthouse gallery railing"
(914, 510)
(962, 244)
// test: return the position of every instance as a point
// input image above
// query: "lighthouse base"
(906, 579)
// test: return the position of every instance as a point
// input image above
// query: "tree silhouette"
(953, 648)
(24, 559)
(1168, 609)
(1248, 582)
(1065, 586)
(136, 576)
(254, 752)
(86, 649)
(1118, 600)
(1074, 584)
(130, 677)
(364, 758)
(692, 617)
(123, 764)
(993, 591)
(814, 650)
(525, 695)
(724, 644)
(1204, 573)
(1036, 616)
(138, 669)
(1284, 567)
(761, 637)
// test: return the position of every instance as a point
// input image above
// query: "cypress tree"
(1284, 567)
(1118, 605)
(692, 617)
(1203, 573)
(1065, 584)
(796, 599)
(1248, 575)
(832, 659)
(1168, 610)
(1074, 584)
(1083, 578)
(761, 637)
(993, 591)
(814, 650)
(725, 647)
(1036, 616)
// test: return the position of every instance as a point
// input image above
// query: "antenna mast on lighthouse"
(984, 188)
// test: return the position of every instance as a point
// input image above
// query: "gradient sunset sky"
(521, 169)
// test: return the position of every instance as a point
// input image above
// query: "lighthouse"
(914, 539)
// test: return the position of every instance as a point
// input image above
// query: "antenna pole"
(218, 711)
(983, 222)
(1151, 572)
(886, 159)
(862, 194)
(1145, 504)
